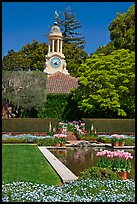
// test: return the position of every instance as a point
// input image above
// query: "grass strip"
(26, 163)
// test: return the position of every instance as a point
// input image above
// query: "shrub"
(28, 124)
(107, 125)
(28, 138)
(45, 141)
(14, 140)
(99, 173)
(130, 141)
(92, 136)
(104, 139)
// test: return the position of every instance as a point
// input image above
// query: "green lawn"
(26, 163)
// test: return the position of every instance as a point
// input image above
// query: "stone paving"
(65, 174)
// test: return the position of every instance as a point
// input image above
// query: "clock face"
(55, 62)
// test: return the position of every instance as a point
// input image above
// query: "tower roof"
(55, 29)
(61, 83)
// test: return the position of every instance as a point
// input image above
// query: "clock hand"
(56, 62)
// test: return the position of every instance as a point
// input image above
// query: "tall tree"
(106, 49)
(69, 25)
(15, 61)
(122, 30)
(122, 33)
(30, 57)
(23, 90)
(107, 85)
(74, 56)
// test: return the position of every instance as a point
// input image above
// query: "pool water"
(78, 159)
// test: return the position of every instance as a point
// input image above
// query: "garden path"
(65, 174)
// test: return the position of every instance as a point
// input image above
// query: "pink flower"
(59, 135)
(111, 154)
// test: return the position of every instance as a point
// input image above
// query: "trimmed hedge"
(42, 125)
(111, 125)
(28, 124)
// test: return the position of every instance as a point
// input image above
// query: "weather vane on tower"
(56, 15)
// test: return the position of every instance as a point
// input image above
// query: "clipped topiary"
(99, 173)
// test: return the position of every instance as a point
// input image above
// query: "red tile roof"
(61, 83)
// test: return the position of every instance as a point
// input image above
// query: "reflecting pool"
(78, 159)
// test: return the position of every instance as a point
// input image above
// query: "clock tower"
(55, 59)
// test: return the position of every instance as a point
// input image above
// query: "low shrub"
(87, 137)
(14, 140)
(91, 137)
(99, 173)
(104, 140)
(45, 141)
(130, 142)
(28, 138)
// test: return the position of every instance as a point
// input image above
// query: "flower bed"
(77, 191)
(117, 161)
(28, 138)
(77, 127)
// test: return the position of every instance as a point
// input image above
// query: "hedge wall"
(111, 125)
(42, 125)
(28, 124)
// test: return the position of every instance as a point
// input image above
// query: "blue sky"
(23, 22)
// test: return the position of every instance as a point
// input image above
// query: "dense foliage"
(122, 33)
(31, 56)
(107, 85)
(54, 107)
(74, 56)
(122, 30)
(99, 173)
(24, 90)
(60, 106)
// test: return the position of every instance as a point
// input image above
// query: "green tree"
(30, 57)
(122, 33)
(35, 54)
(74, 56)
(69, 25)
(122, 30)
(107, 85)
(23, 90)
(106, 49)
(15, 61)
